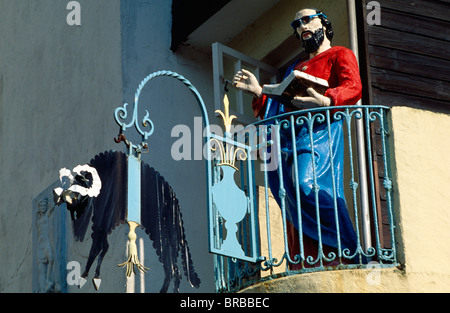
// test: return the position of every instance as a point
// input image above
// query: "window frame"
(219, 51)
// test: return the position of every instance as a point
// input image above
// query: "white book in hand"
(295, 85)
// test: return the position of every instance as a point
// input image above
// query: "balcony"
(348, 196)
(355, 188)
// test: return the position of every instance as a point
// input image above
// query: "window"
(226, 62)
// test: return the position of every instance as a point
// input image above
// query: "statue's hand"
(245, 80)
(315, 99)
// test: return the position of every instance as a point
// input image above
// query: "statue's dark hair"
(325, 22)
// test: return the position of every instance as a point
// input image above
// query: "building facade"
(66, 66)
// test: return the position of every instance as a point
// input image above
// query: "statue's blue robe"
(339, 67)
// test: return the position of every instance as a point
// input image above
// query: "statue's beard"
(313, 43)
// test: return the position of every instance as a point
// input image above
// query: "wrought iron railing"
(334, 215)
